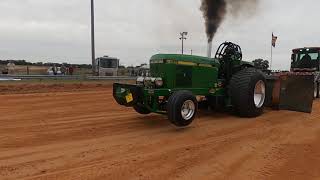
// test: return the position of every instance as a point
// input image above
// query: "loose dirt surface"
(85, 135)
(27, 88)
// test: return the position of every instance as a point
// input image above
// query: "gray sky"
(59, 30)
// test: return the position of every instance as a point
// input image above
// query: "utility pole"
(182, 38)
(93, 39)
(271, 57)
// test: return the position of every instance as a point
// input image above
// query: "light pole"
(93, 39)
(182, 38)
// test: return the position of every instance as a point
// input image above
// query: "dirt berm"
(86, 135)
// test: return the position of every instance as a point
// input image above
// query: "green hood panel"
(185, 58)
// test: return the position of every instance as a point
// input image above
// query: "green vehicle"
(178, 83)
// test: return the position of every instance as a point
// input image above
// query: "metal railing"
(63, 77)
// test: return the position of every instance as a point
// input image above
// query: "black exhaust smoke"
(214, 12)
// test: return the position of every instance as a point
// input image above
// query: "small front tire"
(182, 108)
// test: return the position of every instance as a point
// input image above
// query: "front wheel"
(182, 108)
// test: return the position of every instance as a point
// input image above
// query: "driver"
(305, 61)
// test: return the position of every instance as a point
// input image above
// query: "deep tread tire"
(241, 91)
(141, 109)
(174, 107)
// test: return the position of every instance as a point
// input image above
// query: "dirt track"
(85, 135)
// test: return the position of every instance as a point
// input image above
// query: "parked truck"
(107, 66)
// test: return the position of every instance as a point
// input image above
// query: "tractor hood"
(184, 60)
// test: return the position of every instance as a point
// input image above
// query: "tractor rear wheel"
(141, 109)
(182, 108)
(248, 92)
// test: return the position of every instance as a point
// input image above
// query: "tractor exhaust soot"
(214, 12)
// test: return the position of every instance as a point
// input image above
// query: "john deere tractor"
(177, 83)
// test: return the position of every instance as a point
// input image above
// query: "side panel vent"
(184, 76)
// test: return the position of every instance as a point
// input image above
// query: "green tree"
(261, 64)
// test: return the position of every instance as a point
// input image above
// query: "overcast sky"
(59, 30)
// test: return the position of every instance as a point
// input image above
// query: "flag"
(274, 40)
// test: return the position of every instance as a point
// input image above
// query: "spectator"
(28, 70)
(11, 67)
(50, 71)
(4, 70)
(54, 70)
(59, 72)
(306, 61)
(71, 70)
(63, 70)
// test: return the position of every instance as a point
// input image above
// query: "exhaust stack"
(209, 52)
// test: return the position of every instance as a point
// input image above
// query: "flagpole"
(271, 52)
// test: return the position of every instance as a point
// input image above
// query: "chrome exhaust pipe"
(209, 51)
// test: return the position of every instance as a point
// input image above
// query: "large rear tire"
(248, 92)
(182, 108)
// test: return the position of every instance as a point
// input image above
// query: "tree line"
(261, 64)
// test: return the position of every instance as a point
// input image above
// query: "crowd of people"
(63, 70)
(10, 69)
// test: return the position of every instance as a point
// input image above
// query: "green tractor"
(178, 83)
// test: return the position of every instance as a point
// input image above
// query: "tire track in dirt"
(96, 139)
